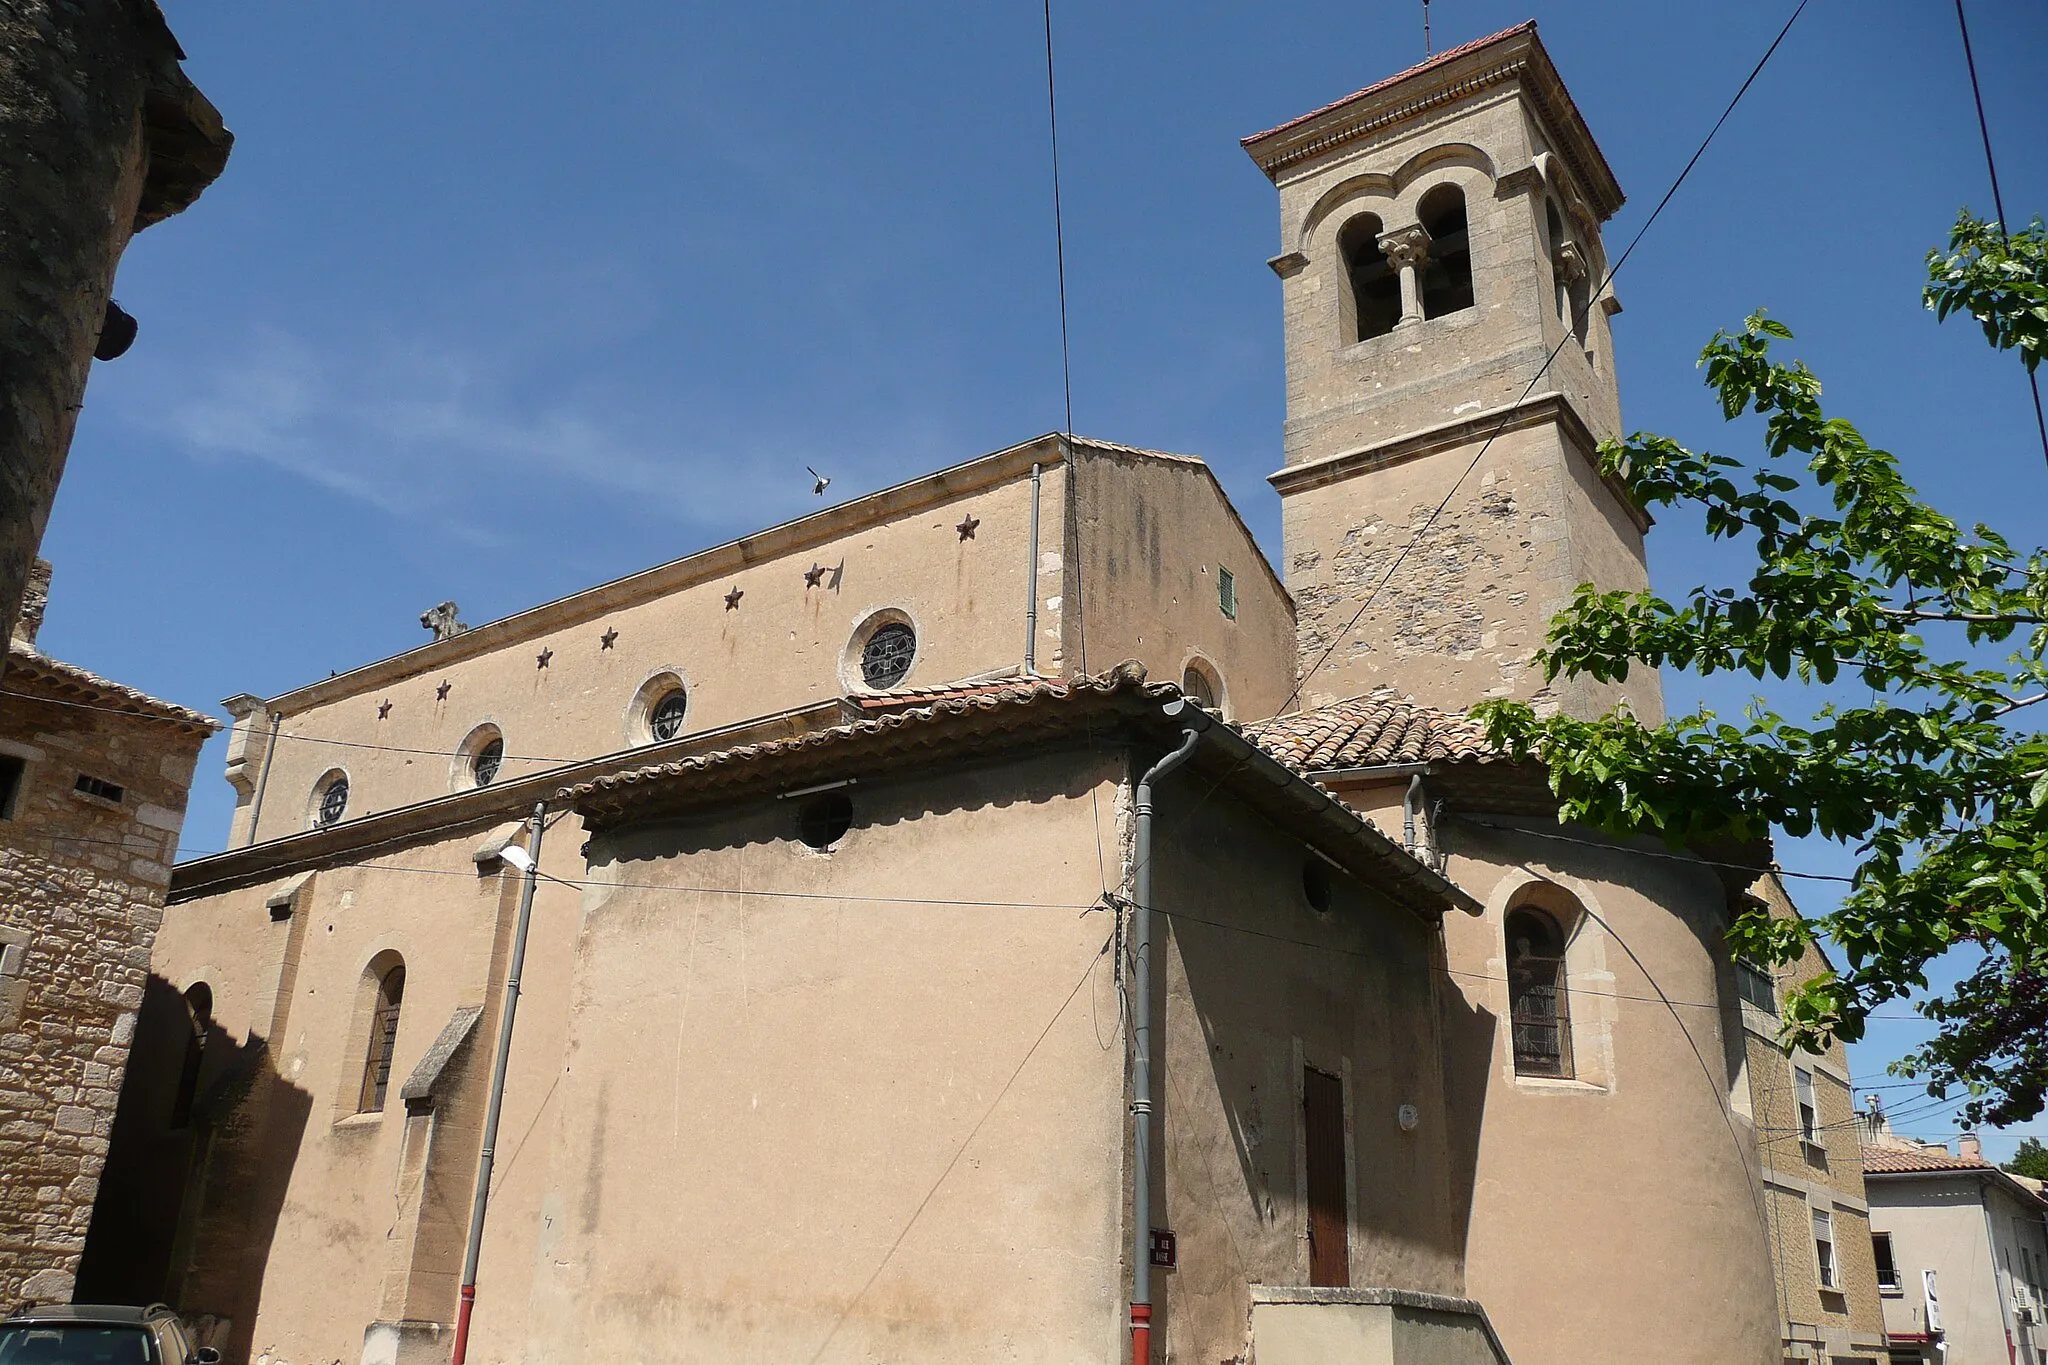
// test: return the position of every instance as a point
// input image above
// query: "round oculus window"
(665, 721)
(333, 801)
(823, 821)
(484, 767)
(886, 657)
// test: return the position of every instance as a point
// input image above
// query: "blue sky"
(496, 304)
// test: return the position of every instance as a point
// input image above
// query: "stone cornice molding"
(1552, 408)
(691, 570)
(1516, 56)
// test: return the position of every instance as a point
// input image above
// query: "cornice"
(1552, 408)
(1516, 57)
(691, 570)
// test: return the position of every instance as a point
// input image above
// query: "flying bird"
(822, 484)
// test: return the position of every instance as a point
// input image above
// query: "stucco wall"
(1941, 1222)
(792, 1126)
(81, 886)
(1634, 1182)
(1258, 984)
(1152, 536)
(785, 645)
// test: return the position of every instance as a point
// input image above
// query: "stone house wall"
(82, 881)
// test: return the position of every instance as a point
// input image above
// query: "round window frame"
(655, 688)
(1203, 667)
(462, 767)
(853, 675)
(842, 816)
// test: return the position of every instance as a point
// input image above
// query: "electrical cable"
(1543, 369)
(1998, 203)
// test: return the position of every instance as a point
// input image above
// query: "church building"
(1003, 917)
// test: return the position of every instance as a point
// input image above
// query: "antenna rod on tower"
(1426, 53)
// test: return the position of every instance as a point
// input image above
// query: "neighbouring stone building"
(1804, 1111)
(825, 1042)
(101, 135)
(1962, 1251)
(93, 780)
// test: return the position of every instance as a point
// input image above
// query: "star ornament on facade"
(967, 526)
(545, 657)
(732, 600)
(814, 575)
(383, 708)
(441, 692)
(608, 639)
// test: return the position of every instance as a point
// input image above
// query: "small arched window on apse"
(388, 971)
(1539, 1002)
(1199, 682)
(1447, 277)
(199, 1015)
(1372, 304)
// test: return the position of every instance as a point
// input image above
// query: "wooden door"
(1322, 1105)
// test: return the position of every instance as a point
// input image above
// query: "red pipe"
(462, 1323)
(1141, 1334)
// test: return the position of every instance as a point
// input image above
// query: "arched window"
(383, 1039)
(1447, 277)
(1538, 1003)
(199, 1015)
(1372, 305)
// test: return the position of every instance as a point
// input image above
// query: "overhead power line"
(1507, 416)
(1998, 201)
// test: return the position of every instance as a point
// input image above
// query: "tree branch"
(1998, 618)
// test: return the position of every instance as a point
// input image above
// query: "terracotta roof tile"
(1371, 730)
(24, 663)
(1906, 1159)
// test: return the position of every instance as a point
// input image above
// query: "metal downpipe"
(487, 1157)
(1141, 1052)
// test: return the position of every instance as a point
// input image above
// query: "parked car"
(98, 1334)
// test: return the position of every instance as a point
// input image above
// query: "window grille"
(886, 657)
(333, 801)
(666, 721)
(487, 762)
(1538, 1001)
(100, 787)
(383, 1041)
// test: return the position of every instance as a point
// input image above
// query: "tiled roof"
(1368, 731)
(1439, 59)
(1022, 695)
(72, 682)
(1906, 1159)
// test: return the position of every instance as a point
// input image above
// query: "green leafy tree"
(2031, 1160)
(1862, 591)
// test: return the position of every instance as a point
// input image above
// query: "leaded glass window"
(487, 762)
(1537, 1001)
(333, 801)
(666, 721)
(885, 659)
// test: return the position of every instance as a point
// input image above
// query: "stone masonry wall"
(82, 882)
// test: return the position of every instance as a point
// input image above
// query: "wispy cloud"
(416, 432)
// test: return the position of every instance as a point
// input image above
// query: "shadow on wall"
(1468, 1039)
(203, 1143)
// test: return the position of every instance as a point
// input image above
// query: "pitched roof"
(71, 683)
(1373, 730)
(1443, 58)
(1897, 1160)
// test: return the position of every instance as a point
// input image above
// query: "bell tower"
(1440, 236)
